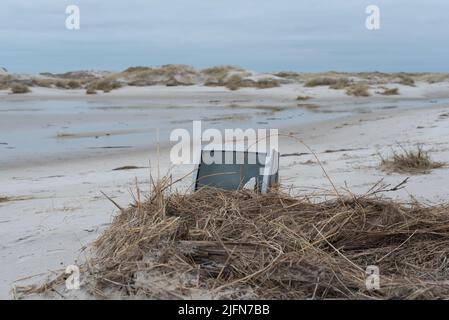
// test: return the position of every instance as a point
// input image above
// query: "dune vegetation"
(231, 77)
(414, 161)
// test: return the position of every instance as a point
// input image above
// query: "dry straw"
(240, 244)
(215, 244)
(413, 161)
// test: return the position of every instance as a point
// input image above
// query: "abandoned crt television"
(233, 169)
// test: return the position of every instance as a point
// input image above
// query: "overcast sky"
(263, 35)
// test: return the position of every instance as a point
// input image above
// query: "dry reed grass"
(267, 83)
(168, 75)
(19, 88)
(105, 85)
(243, 245)
(358, 90)
(236, 82)
(341, 83)
(91, 90)
(44, 83)
(410, 161)
(324, 81)
(338, 83)
(6, 81)
(406, 80)
(221, 72)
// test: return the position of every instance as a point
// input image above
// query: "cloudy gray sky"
(264, 35)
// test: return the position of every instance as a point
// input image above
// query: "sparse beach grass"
(220, 72)
(358, 90)
(341, 83)
(20, 88)
(104, 85)
(336, 83)
(68, 84)
(406, 80)
(169, 75)
(320, 82)
(234, 82)
(267, 83)
(91, 90)
(73, 84)
(4, 199)
(5, 81)
(412, 161)
(42, 82)
(61, 84)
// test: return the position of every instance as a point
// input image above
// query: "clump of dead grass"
(6, 81)
(267, 83)
(168, 75)
(406, 80)
(43, 82)
(234, 82)
(61, 84)
(358, 90)
(333, 83)
(220, 71)
(67, 84)
(219, 244)
(19, 88)
(73, 84)
(316, 82)
(103, 85)
(91, 90)
(340, 83)
(288, 75)
(412, 161)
